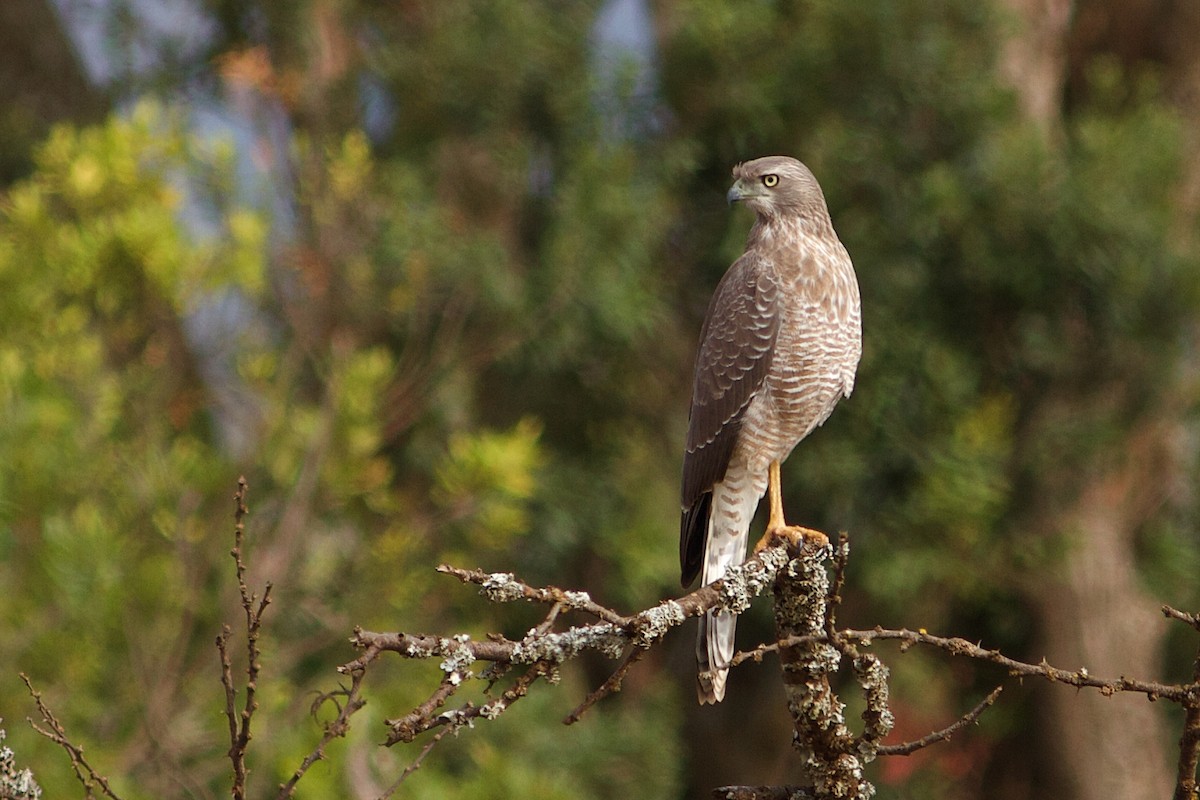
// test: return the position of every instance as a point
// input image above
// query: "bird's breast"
(812, 367)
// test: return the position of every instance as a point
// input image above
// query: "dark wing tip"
(693, 530)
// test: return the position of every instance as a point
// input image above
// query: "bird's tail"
(728, 531)
(714, 650)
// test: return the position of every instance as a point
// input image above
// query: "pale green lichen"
(559, 647)
(655, 622)
(878, 719)
(457, 718)
(15, 784)
(501, 587)
(821, 736)
(577, 599)
(456, 655)
(492, 710)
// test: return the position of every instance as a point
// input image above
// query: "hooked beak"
(735, 193)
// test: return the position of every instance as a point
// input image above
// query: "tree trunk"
(1091, 610)
(1034, 59)
(1094, 614)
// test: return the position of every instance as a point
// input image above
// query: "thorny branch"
(1080, 678)
(908, 748)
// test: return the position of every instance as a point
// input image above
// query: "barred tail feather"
(728, 532)
(714, 651)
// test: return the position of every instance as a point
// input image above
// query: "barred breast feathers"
(811, 261)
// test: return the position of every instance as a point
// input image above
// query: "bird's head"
(776, 186)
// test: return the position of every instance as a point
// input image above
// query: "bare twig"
(230, 691)
(1189, 745)
(84, 771)
(610, 686)
(1189, 741)
(416, 762)
(253, 608)
(420, 719)
(1182, 616)
(551, 616)
(1078, 678)
(351, 702)
(972, 716)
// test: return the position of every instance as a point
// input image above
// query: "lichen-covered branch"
(810, 645)
(16, 783)
(829, 752)
(763, 793)
(424, 718)
(502, 587)
(610, 636)
(541, 651)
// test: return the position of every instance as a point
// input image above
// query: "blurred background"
(431, 275)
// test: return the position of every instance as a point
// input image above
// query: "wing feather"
(737, 342)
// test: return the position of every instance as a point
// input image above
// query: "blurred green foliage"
(470, 340)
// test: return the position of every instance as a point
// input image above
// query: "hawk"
(779, 347)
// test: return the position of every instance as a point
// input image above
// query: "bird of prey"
(779, 347)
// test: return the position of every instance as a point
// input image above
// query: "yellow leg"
(778, 531)
(776, 496)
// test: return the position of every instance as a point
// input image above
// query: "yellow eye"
(769, 181)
